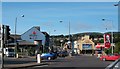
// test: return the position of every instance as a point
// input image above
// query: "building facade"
(85, 45)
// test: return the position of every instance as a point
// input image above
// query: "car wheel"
(49, 58)
(104, 59)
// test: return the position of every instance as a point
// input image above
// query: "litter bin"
(38, 58)
(17, 56)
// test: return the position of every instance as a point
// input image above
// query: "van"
(9, 52)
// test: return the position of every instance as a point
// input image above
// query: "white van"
(9, 52)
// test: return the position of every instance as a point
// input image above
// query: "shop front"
(86, 45)
(87, 48)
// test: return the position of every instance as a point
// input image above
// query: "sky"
(60, 0)
(83, 16)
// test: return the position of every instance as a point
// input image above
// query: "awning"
(99, 46)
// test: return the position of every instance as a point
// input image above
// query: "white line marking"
(41, 66)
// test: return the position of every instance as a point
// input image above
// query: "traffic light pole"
(15, 38)
(2, 46)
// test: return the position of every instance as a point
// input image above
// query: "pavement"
(24, 65)
(16, 63)
(17, 66)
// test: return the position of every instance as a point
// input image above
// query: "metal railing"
(114, 65)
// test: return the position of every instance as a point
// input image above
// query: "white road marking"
(41, 66)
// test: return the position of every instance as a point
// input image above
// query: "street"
(11, 60)
(81, 61)
(77, 61)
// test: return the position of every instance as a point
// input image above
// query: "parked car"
(110, 57)
(62, 53)
(48, 56)
(9, 52)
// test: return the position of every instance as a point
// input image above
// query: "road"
(77, 61)
(11, 60)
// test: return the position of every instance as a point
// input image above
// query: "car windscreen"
(11, 50)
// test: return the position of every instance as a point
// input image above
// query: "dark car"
(62, 53)
(48, 56)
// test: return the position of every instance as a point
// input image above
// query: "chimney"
(37, 27)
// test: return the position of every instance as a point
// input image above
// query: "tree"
(101, 41)
(117, 47)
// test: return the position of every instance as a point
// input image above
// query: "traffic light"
(7, 33)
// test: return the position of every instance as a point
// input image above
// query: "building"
(76, 48)
(34, 34)
(47, 41)
(30, 41)
(85, 45)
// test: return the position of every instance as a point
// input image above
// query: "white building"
(34, 34)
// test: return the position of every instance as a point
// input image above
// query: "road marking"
(41, 66)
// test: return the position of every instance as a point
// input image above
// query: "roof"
(23, 42)
(26, 43)
(18, 37)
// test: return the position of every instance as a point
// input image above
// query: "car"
(110, 57)
(62, 53)
(9, 52)
(48, 56)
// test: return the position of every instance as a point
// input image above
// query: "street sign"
(107, 40)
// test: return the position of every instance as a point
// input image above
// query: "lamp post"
(69, 42)
(68, 29)
(111, 33)
(15, 36)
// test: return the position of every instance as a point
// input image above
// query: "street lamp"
(69, 42)
(117, 5)
(68, 28)
(15, 35)
(111, 32)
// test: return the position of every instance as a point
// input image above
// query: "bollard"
(98, 56)
(17, 55)
(38, 58)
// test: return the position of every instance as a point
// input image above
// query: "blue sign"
(87, 46)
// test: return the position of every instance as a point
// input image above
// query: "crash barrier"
(113, 65)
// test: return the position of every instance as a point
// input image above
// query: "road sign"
(107, 40)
